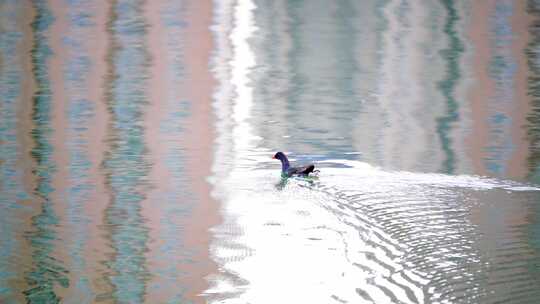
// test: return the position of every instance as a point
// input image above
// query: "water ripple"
(394, 237)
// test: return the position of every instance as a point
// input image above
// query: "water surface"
(136, 141)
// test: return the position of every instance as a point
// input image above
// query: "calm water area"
(136, 140)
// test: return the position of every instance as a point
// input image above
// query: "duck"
(288, 171)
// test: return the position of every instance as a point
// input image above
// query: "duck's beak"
(273, 157)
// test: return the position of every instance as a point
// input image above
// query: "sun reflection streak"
(242, 62)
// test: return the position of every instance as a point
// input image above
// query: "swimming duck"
(288, 171)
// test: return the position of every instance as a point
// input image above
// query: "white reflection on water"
(241, 64)
(360, 233)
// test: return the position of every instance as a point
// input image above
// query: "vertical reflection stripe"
(47, 272)
(125, 162)
(80, 110)
(533, 118)
(11, 184)
(448, 84)
(168, 255)
(533, 126)
(502, 69)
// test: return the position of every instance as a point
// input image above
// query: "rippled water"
(136, 141)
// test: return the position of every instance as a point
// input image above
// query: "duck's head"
(284, 161)
(280, 155)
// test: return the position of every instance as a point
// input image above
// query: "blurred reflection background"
(135, 139)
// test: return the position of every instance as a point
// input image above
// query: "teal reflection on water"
(448, 84)
(125, 163)
(11, 183)
(46, 272)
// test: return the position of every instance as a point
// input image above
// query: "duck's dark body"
(288, 171)
(302, 171)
